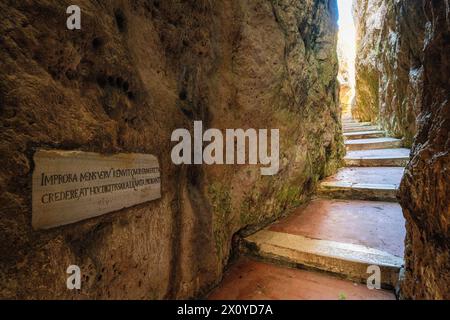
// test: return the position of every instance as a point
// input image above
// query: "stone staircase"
(355, 222)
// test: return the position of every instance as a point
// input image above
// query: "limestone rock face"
(369, 18)
(388, 64)
(400, 70)
(407, 55)
(425, 187)
(135, 72)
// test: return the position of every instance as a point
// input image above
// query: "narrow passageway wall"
(426, 186)
(369, 16)
(388, 65)
(403, 82)
(136, 71)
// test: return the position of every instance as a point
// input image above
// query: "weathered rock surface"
(369, 16)
(403, 62)
(425, 188)
(400, 68)
(134, 73)
(388, 65)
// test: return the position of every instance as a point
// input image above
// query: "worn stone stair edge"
(362, 124)
(327, 248)
(353, 271)
(374, 157)
(358, 185)
(362, 128)
(372, 145)
(373, 160)
(370, 141)
(376, 162)
(330, 256)
(355, 133)
(364, 134)
(354, 145)
(393, 157)
(356, 129)
(359, 193)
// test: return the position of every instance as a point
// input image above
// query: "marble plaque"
(69, 186)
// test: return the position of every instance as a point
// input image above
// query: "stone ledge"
(350, 260)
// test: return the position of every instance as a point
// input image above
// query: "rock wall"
(135, 72)
(369, 16)
(406, 56)
(425, 187)
(388, 65)
(400, 69)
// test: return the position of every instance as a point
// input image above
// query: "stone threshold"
(351, 260)
(373, 144)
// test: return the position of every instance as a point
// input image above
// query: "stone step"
(252, 280)
(370, 183)
(347, 129)
(349, 260)
(356, 124)
(375, 224)
(396, 157)
(340, 236)
(364, 134)
(373, 143)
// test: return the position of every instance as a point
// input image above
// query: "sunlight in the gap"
(346, 52)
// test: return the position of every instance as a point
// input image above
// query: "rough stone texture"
(388, 66)
(412, 63)
(341, 259)
(369, 16)
(135, 72)
(400, 71)
(425, 188)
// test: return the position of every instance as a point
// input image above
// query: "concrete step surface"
(375, 224)
(355, 223)
(356, 124)
(344, 259)
(364, 134)
(395, 157)
(337, 236)
(363, 183)
(347, 129)
(373, 143)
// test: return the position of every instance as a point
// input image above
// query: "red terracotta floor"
(375, 224)
(251, 280)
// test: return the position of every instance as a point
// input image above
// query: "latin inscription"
(69, 186)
